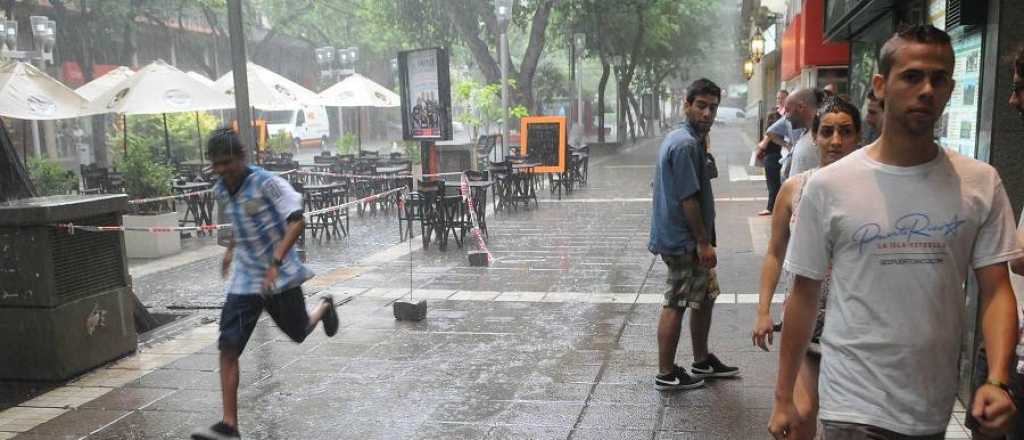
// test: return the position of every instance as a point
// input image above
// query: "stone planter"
(151, 244)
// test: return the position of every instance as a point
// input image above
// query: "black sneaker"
(219, 431)
(677, 380)
(712, 368)
(330, 318)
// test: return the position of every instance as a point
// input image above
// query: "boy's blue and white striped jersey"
(258, 213)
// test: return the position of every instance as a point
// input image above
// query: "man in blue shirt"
(266, 217)
(683, 233)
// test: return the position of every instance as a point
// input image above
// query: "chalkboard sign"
(544, 142)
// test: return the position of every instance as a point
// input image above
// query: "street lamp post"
(580, 41)
(503, 10)
(44, 38)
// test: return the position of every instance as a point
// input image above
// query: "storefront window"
(958, 128)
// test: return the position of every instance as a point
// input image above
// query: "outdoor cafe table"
(525, 189)
(198, 207)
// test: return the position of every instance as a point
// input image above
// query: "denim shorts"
(690, 284)
(240, 314)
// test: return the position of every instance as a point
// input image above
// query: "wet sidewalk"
(555, 340)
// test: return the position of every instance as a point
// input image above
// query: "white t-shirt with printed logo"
(901, 241)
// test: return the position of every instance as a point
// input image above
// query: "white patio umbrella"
(270, 91)
(359, 91)
(201, 78)
(30, 94)
(159, 88)
(105, 82)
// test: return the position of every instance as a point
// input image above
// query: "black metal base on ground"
(478, 258)
(410, 311)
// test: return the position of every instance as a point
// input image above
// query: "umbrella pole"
(124, 134)
(167, 139)
(199, 141)
(359, 128)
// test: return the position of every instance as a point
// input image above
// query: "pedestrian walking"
(981, 370)
(683, 234)
(770, 150)
(901, 221)
(266, 217)
(873, 119)
(836, 131)
(800, 109)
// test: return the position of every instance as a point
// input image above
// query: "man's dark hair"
(921, 34)
(872, 97)
(702, 86)
(224, 142)
(836, 104)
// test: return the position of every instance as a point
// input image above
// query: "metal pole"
(124, 134)
(579, 99)
(238, 68)
(35, 138)
(199, 141)
(167, 139)
(503, 43)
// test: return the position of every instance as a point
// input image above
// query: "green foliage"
(148, 131)
(348, 143)
(478, 105)
(144, 175)
(412, 151)
(49, 178)
(279, 143)
(518, 112)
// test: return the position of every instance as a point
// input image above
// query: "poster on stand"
(426, 94)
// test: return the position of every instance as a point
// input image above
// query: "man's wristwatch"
(277, 262)
(1002, 385)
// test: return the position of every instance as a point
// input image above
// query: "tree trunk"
(641, 119)
(605, 72)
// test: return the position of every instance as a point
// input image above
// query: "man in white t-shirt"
(900, 222)
(801, 107)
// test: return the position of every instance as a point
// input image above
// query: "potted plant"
(49, 178)
(145, 177)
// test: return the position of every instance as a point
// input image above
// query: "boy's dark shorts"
(240, 314)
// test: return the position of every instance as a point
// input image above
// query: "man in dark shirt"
(771, 153)
(683, 234)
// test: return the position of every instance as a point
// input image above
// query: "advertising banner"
(426, 94)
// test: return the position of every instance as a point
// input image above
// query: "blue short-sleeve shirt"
(683, 170)
(259, 213)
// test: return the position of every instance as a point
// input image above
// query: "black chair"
(501, 174)
(426, 206)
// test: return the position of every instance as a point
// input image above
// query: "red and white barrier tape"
(353, 176)
(471, 203)
(70, 228)
(367, 199)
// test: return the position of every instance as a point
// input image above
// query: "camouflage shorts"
(690, 284)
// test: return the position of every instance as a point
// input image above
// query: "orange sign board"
(543, 139)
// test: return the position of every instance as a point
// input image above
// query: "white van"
(308, 126)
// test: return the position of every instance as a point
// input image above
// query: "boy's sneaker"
(677, 380)
(712, 368)
(219, 431)
(330, 318)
